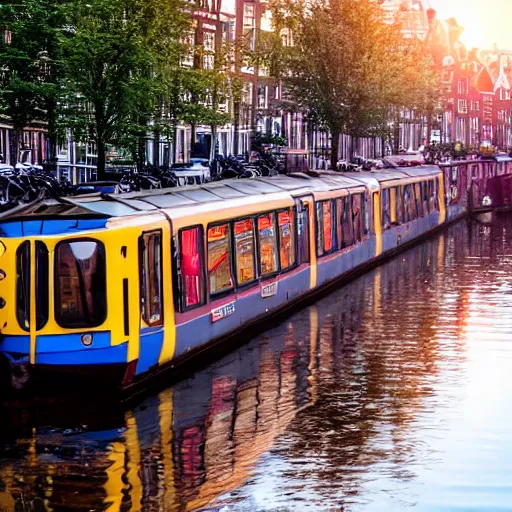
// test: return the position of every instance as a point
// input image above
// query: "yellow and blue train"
(120, 287)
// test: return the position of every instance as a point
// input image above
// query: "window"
(248, 15)
(244, 248)
(319, 229)
(356, 217)
(463, 106)
(475, 105)
(386, 208)
(268, 244)
(399, 205)
(303, 233)
(409, 203)
(462, 86)
(348, 236)
(191, 264)
(325, 242)
(327, 226)
(80, 283)
(150, 265)
(426, 195)
(42, 285)
(23, 285)
(219, 259)
(286, 239)
(366, 215)
(418, 199)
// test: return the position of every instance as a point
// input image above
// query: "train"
(114, 289)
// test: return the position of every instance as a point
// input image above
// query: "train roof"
(229, 193)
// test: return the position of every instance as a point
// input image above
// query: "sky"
(486, 22)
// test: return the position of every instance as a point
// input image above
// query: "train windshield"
(23, 284)
(80, 283)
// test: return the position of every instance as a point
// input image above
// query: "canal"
(391, 393)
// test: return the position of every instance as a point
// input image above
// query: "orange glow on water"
(485, 22)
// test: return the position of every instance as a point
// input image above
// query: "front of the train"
(54, 320)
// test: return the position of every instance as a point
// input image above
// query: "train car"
(118, 287)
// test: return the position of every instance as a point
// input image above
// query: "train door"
(306, 246)
(157, 332)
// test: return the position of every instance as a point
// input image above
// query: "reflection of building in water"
(356, 359)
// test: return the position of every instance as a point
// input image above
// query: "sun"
(485, 22)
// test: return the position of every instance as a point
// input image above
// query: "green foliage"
(266, 139)
(115, 53)
(437, 153)
(29, 70)
(346, 67)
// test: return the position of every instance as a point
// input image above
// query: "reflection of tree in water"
(378, 358)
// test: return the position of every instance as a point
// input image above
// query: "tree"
(346, 67)
(29, 70)
(114, 52)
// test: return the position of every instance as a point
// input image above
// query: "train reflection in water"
(204, 438)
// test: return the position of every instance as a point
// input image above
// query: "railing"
(76, 173)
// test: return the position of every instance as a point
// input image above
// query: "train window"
(150, 275)
(396, 210)
(244, 248)
(356, 217)
(386, 208)
(327, 226)
(339, 221)
(366, 215)
(191, 267)
(219, 259)
(409, 203)
(286, 238)
(268, 243)
(348, 236)
(80, 283)
(436, 194)
(399, 205)
(319, 229)
(303, 233)
(418, 199)
(42, 285)
(23, 285)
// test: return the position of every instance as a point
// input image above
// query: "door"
(151, 300)
(306, 252)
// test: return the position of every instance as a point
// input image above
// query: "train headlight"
(486, 201)
(3, 275)
(86, 340)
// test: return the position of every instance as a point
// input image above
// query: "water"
(390, 394)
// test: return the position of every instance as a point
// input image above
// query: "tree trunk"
(214, 142)
(192, 141)
(156, 148)
(335, 147)
(15, 145)
(396, 136)
(141, 152)
(236, 126)
(52, 130)
(100, 143)
(429, 129)
(174, 143)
